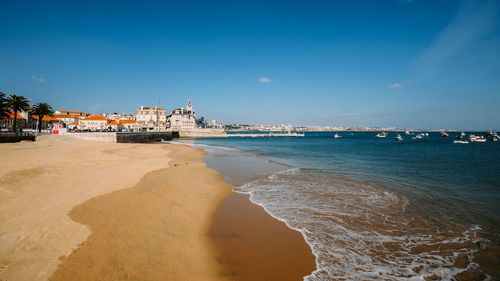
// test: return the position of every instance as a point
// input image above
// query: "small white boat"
(474, 138)
(337, 136)
(399, 137)
(381, 135)
(461, 141)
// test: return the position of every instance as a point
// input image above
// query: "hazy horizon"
(394, 63)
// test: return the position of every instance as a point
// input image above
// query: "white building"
(151, 118)
(69, 116)
(127, 125)
(93, 123)
(183, 118)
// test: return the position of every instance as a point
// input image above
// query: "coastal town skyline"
(249, 140)
(407, 64)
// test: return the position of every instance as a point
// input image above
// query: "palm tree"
(4, 110)
(41, 109)
(17, 103)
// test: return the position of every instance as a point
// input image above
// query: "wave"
(359, 231)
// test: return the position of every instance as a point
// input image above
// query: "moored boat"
(381, 135)
(444, 134)
(460, 139)
(399, 137)
(474, 138)
(337, 136)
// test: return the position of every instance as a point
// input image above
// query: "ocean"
(375, 208)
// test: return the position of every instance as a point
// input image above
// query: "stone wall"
(95, 136)
(122, 137)
(145, 136)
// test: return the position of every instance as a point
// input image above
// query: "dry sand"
(83, 210)
(41, 182)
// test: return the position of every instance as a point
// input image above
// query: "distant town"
(146, 119)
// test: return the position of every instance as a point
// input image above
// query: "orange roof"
(10, 115)
(127, 121)
(112, 122)
(95, 117)
(46, 118)
(66, 116)
(75, 123)
(71, 111)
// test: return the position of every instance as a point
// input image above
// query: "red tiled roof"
(95, 117)
(127, 121)
(46, 118)
(11, 116)
(112, 122)
(66, 116)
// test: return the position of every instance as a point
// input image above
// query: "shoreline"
(161, 233)
(271, 247)
(255, 244)
(80, 210)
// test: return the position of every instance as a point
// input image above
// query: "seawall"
(122, 137)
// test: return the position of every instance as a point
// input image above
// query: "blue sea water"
(376, 208)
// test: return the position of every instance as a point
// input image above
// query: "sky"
(409, 64)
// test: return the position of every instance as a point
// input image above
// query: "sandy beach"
(84, 210)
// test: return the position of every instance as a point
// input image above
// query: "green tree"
(42, 109)
(4, 109)
(17, 103)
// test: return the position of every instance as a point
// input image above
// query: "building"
(73, 126)
(93, 123)
(8, 122)
(127, 125)
(183, 118)
(69, 116)
(47, 122)
(112, 125)
(151, 118)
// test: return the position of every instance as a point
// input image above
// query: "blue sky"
(410, 64)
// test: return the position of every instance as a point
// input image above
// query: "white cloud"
(395, 86)
(38, 79)
(264, 80)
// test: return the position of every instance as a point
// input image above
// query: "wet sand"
(255, 246)
(156, 230)
(84, 210)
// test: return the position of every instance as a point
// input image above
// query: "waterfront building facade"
(151, 118)
(93, 123)
(127, 125)
(183, 118)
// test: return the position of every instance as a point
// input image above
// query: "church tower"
(189, 107)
